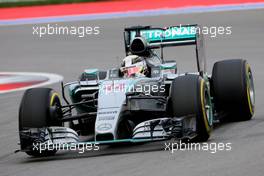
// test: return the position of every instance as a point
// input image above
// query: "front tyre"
(39, 108)
(190, 96)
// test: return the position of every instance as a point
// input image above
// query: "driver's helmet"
(134, 66)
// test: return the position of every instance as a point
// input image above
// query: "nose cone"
(111, 98)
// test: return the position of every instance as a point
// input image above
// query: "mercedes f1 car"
(107, 107)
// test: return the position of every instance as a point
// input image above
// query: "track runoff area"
(10, 82)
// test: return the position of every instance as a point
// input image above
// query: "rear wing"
(167, 37)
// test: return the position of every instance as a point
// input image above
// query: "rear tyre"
(40, 107)
(233, 89)
(190, 96)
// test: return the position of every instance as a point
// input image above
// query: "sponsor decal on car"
(104, 127)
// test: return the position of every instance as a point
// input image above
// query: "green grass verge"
(19, 3)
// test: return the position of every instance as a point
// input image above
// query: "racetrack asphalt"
(68, 56)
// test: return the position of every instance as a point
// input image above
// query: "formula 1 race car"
(121, 106)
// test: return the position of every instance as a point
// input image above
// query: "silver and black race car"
(107, 107)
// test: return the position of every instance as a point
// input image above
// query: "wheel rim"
(55, 110)
(206, 106)
(251, 90)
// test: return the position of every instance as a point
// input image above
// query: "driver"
(134, 66)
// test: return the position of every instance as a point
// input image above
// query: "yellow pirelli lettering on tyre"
(248, 89)
(53, 96)
(208, 129)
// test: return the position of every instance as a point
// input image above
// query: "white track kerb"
(51, 79)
